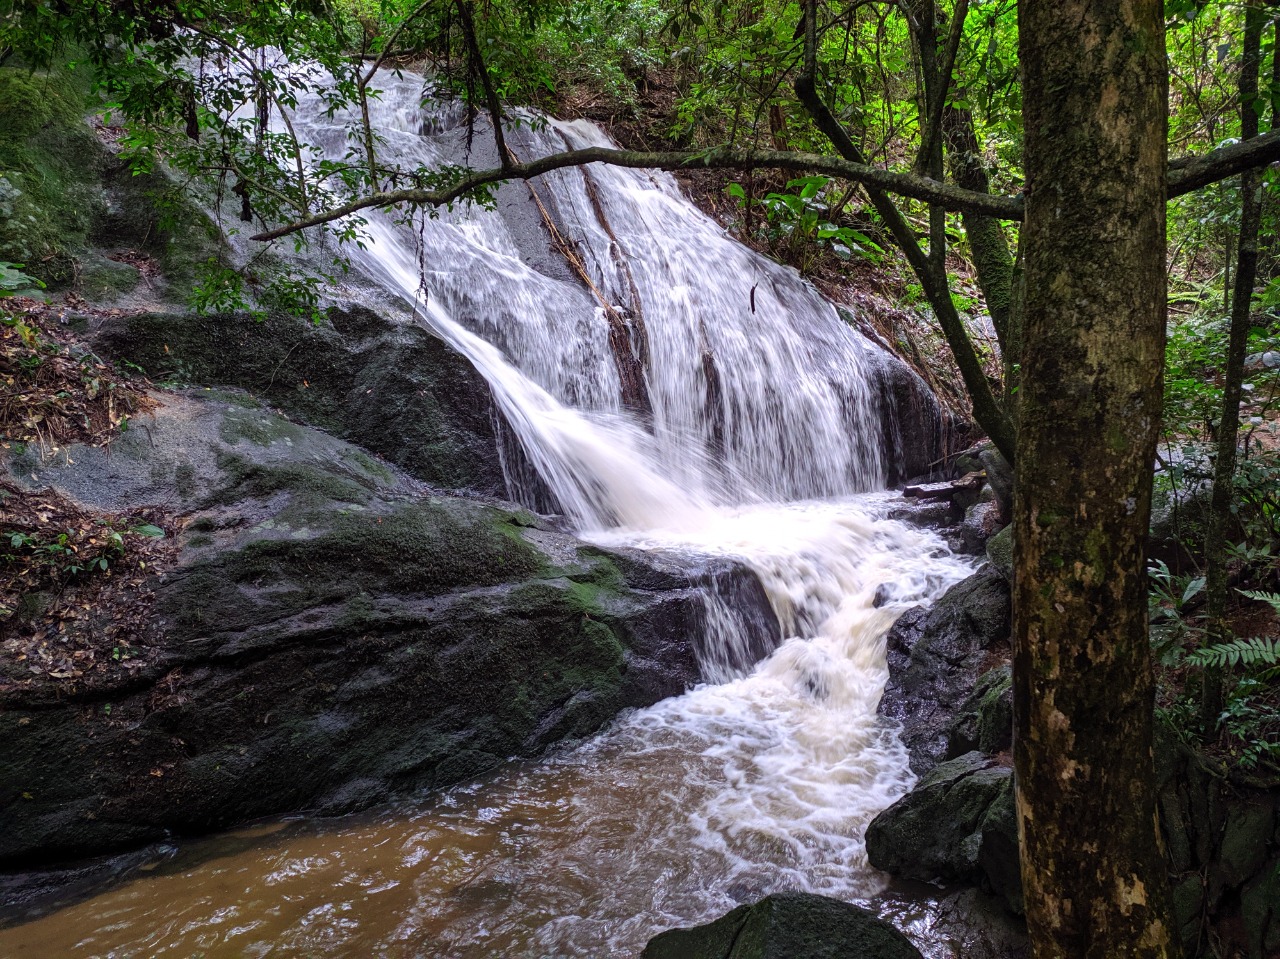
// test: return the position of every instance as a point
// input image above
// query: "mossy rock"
(985, 721)
(935, 832)
(1000, 552)
(788, 925)
(50, 165)
(103, 279)
(333, 634)
(65, 198)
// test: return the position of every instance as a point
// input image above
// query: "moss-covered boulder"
(787, 925)
(937, 830)
(1000, 552)
(331, 633)
(50, 169)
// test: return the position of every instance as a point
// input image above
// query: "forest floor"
(74, 583)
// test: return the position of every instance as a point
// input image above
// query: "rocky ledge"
(330, 632)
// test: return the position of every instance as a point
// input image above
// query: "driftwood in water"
(715, 400)
(640, 335)
(968, 483)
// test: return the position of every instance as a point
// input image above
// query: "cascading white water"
(761, 444)
(759, 391)
(762, 424)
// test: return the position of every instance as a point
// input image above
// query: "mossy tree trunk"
(929, 269)
(1224, 466)
(988, 245)
(1094, 101)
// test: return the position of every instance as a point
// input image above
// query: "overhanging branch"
(1185, 176)
(1191, 173)
(904, 184)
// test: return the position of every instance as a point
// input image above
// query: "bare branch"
(946, 195)
(1191, 173)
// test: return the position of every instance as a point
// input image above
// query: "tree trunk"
(987, 243)
(986, 410)
(1224, 466)
(1094, 107)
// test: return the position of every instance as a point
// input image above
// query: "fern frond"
(1272, 598)
(1258, 651)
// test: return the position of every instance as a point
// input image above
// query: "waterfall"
(669, 369)
(673, 391)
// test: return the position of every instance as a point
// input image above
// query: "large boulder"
(787, 925)
(935, 658)
(370, 377)
(331, 633)
(957, 825)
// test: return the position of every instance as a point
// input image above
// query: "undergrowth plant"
(797, 225)
(1248, 727)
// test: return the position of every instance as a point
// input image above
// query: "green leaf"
(147, 529)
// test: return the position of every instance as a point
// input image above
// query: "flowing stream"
(691, 398)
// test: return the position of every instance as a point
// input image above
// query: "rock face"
(1222, 842)
(788, 925)
(332, 633)
(935, 659)
(911, 422)
(985, 719)
(390, 387)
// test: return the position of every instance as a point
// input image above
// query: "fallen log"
(968, 483)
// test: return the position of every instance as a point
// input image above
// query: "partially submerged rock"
(952, 827)
(935, 658)
(787, 925)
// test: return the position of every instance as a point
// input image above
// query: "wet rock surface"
(935, 658)
(333, 633)
(951, 827)
(789, 925)
(373, 378)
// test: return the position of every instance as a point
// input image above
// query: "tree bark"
(988, 245)
(1224, 466)
(1094, 106)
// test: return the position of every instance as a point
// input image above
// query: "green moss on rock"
(50, 166)
(393, 388)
